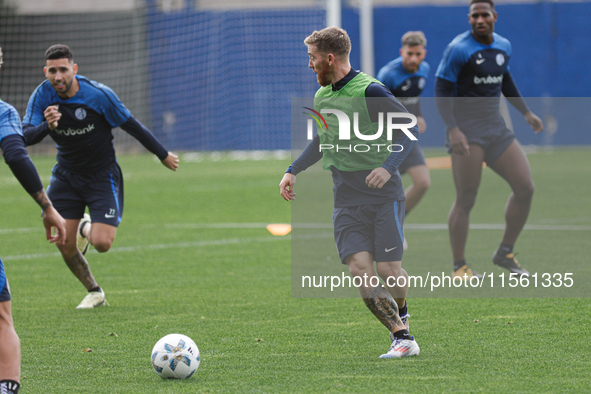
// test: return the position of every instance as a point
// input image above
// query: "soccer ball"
(175, 356)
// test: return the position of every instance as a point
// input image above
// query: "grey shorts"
(415, 158)
(376, 229)
(493, 144)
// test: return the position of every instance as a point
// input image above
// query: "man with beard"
(368, 194)
(406, 77)
(79, 115)
(475, 71)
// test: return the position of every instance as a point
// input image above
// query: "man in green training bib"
(367, 135)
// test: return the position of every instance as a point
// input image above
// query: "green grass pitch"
(174, 268)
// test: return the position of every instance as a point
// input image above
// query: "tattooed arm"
(17, 158)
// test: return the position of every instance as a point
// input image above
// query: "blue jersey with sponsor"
(10, 121)
(477, 70)
(83, 137)
(406, 87)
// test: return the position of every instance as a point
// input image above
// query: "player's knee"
(69, 248)
(103, 245)
(359, 264)
(525, 191)
(466, 200)
(356, 270)
(385, 272)
(5, 318)
(390, 272)
(423, 184)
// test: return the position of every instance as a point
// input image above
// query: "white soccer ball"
(175, 356)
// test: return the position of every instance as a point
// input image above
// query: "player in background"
(474, 71)
(17, 158)
(79, 115)
(368, 194)
(406, 77)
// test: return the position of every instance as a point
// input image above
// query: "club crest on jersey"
(500, 59)
(80, 113)
(422, 83)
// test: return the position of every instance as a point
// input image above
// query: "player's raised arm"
(140, 132)
(40, 117)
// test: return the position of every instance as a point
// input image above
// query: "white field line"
(230, 241)
(443, 226)
(178, 245)
(137, 248)
(410, 226)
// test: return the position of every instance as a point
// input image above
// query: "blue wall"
(224, 80)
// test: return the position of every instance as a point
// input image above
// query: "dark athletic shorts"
(415, 158)
(493, 144)
(373, 228)
(4, 288)
(102, 192)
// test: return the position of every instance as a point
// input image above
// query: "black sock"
(96, 288)
(402, 334)
(404, 310)
(505, 249)
(10, 385)
(459, 264)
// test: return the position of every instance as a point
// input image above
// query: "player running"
(79, 115)
(368, 194)
(17, 158)
(475, 70)
(406, 77)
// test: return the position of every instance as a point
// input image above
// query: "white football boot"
(402, 348)
(81, 240)
(93, 299)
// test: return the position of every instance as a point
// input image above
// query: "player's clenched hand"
(52, 219)
(171, 161)
(377, 178)
(458, 142)
(286, 187)
(52, 115)
(535, 122)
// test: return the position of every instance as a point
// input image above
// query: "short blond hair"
(330, 40)
(414, 38)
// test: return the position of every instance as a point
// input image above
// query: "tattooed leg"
(75, 261)
(383, 306)
(377, 299)
(79, 267)
(397, 275)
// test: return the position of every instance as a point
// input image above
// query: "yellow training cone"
(437, 163)
(279, 229)
(440, 163)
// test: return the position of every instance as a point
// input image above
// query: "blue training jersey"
(10, 121)
(476, 69)
(84, 137)
(477, 72)
(406, 87)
